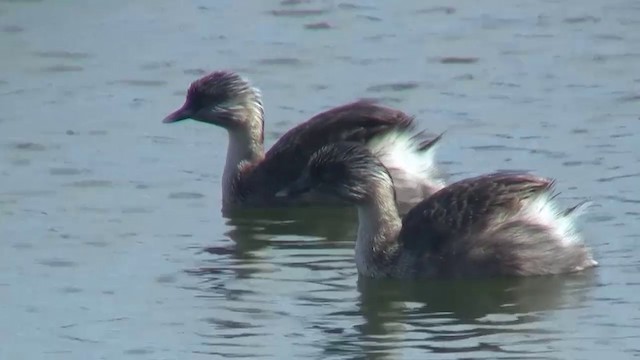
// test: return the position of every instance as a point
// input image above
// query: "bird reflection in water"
(459, 316)
(253, 230)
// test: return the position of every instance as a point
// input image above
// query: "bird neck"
(378, 227)
(246, 146)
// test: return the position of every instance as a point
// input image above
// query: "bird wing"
(359, 122)
(467, 207)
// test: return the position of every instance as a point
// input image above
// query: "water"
(112, 245)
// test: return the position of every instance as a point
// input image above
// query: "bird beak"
(297, 188)
(183, 113)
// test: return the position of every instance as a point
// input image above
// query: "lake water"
(112, 244)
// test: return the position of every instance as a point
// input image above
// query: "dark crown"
(218, 88)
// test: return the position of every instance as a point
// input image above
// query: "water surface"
(112, 245)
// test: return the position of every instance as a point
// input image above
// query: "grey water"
(112, 243)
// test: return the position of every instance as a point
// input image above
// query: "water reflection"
(311, 249)
(471, 300)
(285, 229)
(321, 222)
(270, 260)
(252, 229)
(460, 316)
(96, 195)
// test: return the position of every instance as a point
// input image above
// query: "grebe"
(499, 224)
(252, 177)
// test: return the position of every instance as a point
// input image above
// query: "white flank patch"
(544, 210)
(399, 150)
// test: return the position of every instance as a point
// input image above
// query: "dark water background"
(112, 245)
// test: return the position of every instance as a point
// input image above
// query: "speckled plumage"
(252, 177)
(499, 224)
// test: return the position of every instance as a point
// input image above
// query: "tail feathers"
(578, 210)
(410, 160)
(415, 153)
(427, 144)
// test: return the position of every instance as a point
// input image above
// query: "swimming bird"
(498, 224)
(252, 177)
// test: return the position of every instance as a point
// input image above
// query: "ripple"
(31, 193)
(318, 26)
(609, 37)
(293, 2)
(127, 235)
(582, 86)
(456, 60)
(166, 279)
(195, 72)
(138, 351)
(185, 195)
(298, 12)
(157, 139)
(70, 290)
(548, 153)
(364, 61)
(219, 250)
(62, 54)
(61, 68)
(621, 135)
(505, 84)
(229, 324)
(610, 57)
(57, 263)
(319, 87)
(20, 162)
(579, 163)
(154, 65)
(370, 18)
(137, 102)
(622, 199)
(457, 95)
(400, 86)
(29, 146)
(386, 99)
(617, 177)
(448, 10)
(582, 19)
(97, 243)
(141, 83)
(281, 62)
(529, 36)
(22, 245)
(379, 37)
(272, 282)
(352, 6)
(464, 77)
(90, 183)
(67, 171)
(136, 210)
(79, 339)
(12, 29)
(98, 132)
(629, 98)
